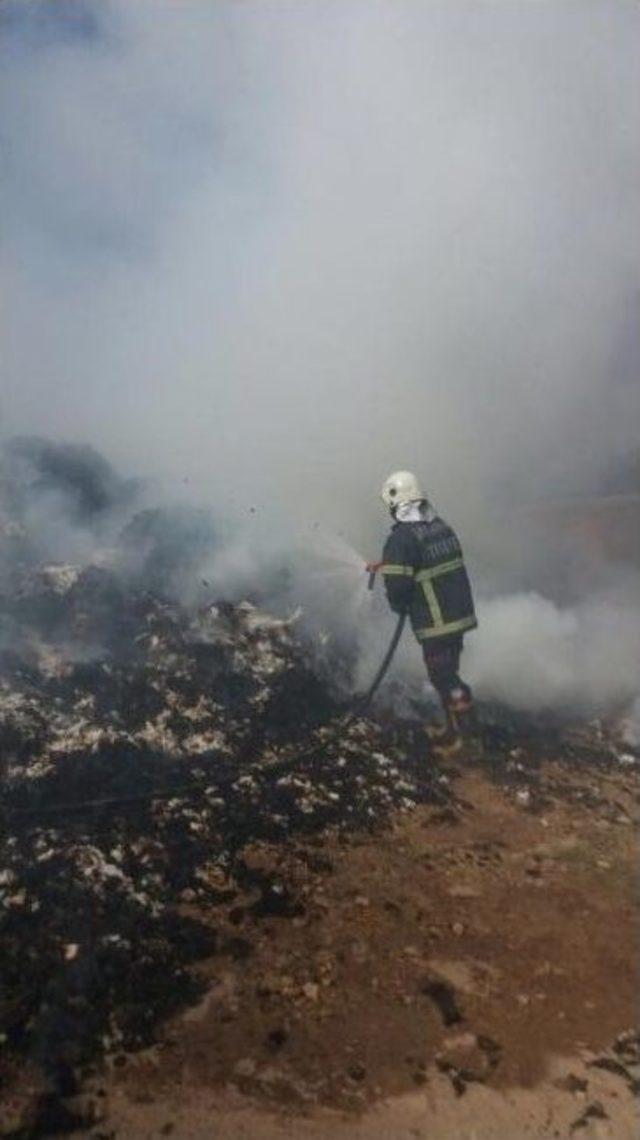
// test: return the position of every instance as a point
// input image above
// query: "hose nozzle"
(372, 569)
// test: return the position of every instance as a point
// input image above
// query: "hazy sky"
(282, 248)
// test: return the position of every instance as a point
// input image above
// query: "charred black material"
(138, 744)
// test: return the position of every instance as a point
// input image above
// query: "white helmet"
(401, 487)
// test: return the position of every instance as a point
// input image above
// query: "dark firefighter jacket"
(424, 573)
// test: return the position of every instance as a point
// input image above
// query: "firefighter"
(424, 575)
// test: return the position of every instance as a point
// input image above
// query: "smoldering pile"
(145, 745)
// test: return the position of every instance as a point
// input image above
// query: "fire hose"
(279, 767)
(364, 701)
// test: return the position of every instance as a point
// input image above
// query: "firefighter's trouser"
(442, 659)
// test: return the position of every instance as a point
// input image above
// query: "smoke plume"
(264, 253)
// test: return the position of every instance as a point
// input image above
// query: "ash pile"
(145, 744)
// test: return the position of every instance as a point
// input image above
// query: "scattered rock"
(357, 1071)
(464, 892)
(276, 1038)
(443, 997)
(572, 1084)
(246, 1067)
(593, 1111)
(468, 1057)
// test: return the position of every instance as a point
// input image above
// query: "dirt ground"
(463, 973)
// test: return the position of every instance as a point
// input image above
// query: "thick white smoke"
(532, 654)
(275, 250)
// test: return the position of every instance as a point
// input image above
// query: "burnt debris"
(144, 746)
(148, 748)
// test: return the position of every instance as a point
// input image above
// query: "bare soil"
(455, 974)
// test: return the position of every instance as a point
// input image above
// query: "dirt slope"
(471, 967)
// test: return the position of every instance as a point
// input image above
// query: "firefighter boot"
(462, 713)
(435, 732)
(445, 739)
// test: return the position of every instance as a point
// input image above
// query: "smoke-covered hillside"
(255, 256)
(173, 776)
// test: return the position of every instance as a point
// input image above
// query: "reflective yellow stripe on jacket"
(425, 579)
(440, 626)
(446, 628)
(395, 568)
(435, 571)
